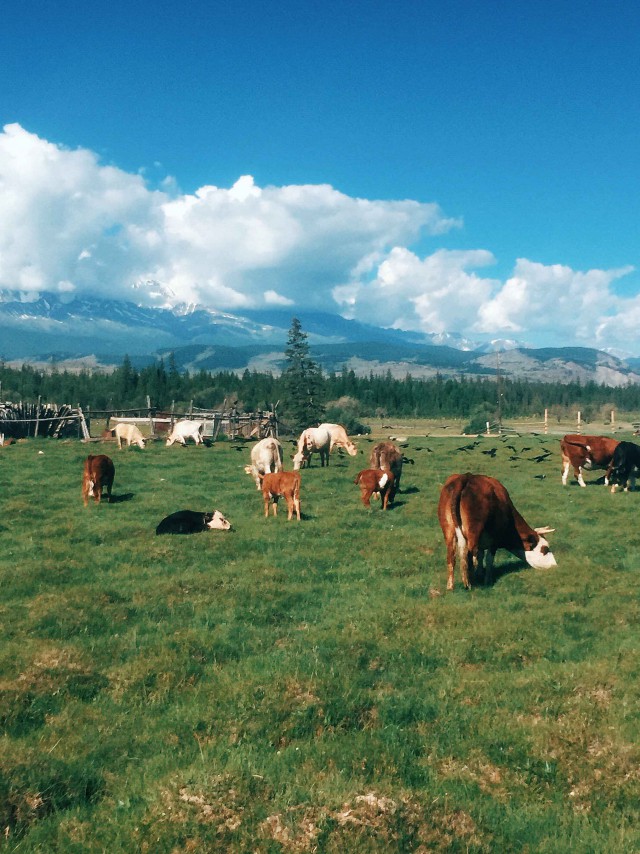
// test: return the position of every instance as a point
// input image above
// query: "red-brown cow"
(373, 481)
(586, 452)
(97, 475)
(386, 456)
(286, 483)
(477, 515)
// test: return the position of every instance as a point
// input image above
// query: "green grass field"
(294, 687)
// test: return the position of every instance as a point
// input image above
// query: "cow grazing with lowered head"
(129, 433)
(477, 517)
(266, 457)
(625, 466)
(586, 452)
(97, 475)
(183, 430)
(286, 483)
(192, 522)
(313, 440)
(388, 457)
(339, 438)
(375, 482)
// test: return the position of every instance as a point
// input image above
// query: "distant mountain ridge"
(99, 332)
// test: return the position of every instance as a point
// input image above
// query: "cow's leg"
(565, 472)
(463, 557)
(579, 476)
(267, 498)
(366, 497)
(488, 566)
(275, 504)
(452, 548)
(289, 499)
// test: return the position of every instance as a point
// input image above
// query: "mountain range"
(93, 332)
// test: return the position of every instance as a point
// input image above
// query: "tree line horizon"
(307, 394)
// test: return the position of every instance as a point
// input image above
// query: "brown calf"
(373, 481)
(275, 484)
(97, 475)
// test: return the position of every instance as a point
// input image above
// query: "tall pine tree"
(302, 381)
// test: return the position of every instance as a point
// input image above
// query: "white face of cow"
(298, 460)
(218, 522)
(351, 449)
(541, 557)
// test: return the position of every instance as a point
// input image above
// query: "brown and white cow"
(477, 515)
(375, 481)
(339, 438)
(388, 457)
(97, 474)
(266, 457)
(313, 440)
(586, 452)
(130, 433)
(286, 483)
(183, 430)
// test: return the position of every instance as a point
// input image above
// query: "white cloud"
(65, 217)
(70, 224)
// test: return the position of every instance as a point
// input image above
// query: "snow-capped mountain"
(101, 331)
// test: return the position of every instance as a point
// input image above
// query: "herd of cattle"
(475, 511)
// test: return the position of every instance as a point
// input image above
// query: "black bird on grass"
(541, 457)
(491, 452)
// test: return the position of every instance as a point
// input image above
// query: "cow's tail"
(357, 477)
(296, 486)
(455, 499)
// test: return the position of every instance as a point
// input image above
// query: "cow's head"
(299, 460)
(351, 449)
(217, 522)
(537, 552)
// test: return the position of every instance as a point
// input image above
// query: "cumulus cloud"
(73, 225)
(66, 220)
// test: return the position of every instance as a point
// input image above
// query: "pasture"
(293, 687)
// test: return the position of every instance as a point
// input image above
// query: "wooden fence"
(23, 420)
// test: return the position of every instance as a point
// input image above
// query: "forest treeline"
(343, 393)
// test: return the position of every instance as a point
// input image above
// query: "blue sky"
(493, 147)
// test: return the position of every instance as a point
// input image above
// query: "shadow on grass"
(118, 499)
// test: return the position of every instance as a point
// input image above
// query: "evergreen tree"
(302, 382)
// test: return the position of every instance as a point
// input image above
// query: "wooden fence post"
(151, 427)
(37, 418)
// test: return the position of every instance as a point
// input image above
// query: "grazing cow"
(130, 433)
(98, 474)
(192, 522)
(386, 456)
(339, 438)
(266, 457)
(375, 481)
(477, 515)
(624, 466)
(285, 483)
(586, 452)
(183, 430)
(312, 440)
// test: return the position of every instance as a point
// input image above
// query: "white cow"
(183, 430)
(130, 433)
(312, 440)
(339, 438)
(266, 457)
